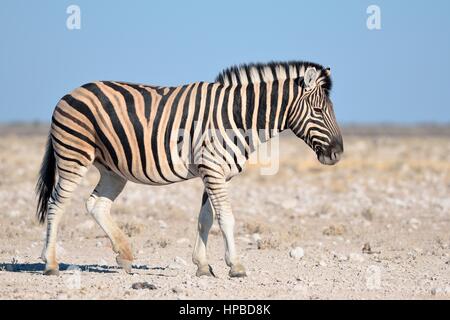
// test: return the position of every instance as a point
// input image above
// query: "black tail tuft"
(46, 181)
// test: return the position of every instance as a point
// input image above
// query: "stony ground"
(374, 226)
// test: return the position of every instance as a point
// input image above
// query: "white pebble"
(180, 261)
(182, 240)
(297, 253)
(289, 204)
(356, 257)
(414, 223)
(162, 224)
(256, 237)
(14, 213)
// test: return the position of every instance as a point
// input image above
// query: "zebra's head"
(312, 117)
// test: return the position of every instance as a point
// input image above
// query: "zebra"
(159, 135)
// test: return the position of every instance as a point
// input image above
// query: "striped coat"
(160, 135)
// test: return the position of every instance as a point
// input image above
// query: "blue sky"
(397, 74)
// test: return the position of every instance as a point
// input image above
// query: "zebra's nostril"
(337, 155)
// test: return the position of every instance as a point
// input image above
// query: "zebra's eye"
(317, 110)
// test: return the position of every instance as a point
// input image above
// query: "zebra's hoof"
(51, 272)
(205, 270)
(237, 271)
(124, 264)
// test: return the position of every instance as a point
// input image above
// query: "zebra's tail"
(46, 181)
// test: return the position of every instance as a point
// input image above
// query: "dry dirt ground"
(377, 225)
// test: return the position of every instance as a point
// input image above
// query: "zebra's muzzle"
(328, 160)
(330, 156)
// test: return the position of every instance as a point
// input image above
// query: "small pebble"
(143, 285)
(162, 224)
(256, 237)
(180, 261)
(356, 257)
(289, 204)
(183, 240)
(297, 253)
(177, 290)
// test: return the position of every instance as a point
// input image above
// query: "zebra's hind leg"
(99, 206)
(205, 221)
(68, 179)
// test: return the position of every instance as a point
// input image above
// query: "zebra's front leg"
(205, 221)
(218, 194)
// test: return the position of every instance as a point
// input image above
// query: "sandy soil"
(374, 226)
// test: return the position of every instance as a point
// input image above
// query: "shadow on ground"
(39, 267)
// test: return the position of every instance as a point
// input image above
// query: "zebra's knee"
(100, 207)
(90, 203)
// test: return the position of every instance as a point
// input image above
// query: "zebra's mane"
(267, 72)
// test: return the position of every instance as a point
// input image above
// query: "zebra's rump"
(138, 131)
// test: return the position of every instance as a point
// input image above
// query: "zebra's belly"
(155, 170)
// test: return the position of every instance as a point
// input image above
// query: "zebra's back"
(143, 133)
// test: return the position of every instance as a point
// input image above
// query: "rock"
(269, 243)
(162, 224)
(342, 257)
(244, 239)
(339, 257)
(367, 214)
(367, 249)
(132, 228)
(14, 213)
(256, 237)
(163, 243)
(180, 261)
(143, 285)
(414, 223)
(322, 263)
(334, 230)
(203, 284)
(297, 253)
(356, 257)
(289, 204)
(177, 290)
(183, 240)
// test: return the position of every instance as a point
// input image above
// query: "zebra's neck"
(259, 110)
(253, 113)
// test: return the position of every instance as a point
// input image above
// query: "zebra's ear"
(328, 72)
(310, 78)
